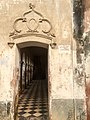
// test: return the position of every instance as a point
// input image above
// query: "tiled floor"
(33, 103)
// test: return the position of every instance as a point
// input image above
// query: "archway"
(31, 33)
(33, 84)
(33, 87)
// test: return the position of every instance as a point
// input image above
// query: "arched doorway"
(33, 87)
(32, 59)
(31, 35)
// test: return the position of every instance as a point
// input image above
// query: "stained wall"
(67, 98)
(87, 53)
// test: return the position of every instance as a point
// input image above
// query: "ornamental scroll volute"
(32, 22)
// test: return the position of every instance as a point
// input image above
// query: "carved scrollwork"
(45, 20)
(32, 10)
(15, 23)
(33, 24)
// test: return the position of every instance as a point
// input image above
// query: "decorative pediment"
(32, 23)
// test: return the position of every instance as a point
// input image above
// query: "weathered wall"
(67, 90)
(87, 53)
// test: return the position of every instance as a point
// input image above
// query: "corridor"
(33, 102)
(33, 84)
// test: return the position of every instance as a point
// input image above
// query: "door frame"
(30, 42)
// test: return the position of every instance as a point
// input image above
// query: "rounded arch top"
(32, 43)
(31, 25)
(31, 28)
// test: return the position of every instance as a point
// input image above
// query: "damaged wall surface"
(67, 40)
(87, 53)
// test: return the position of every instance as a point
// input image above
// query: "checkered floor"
(33, 103)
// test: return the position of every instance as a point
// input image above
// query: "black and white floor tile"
(33, 103)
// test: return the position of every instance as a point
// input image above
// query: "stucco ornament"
(32, 23)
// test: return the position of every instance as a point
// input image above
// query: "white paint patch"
(7, 5)
(65, 34)
(65, 30)
(64, 48)
(1, 6)
(17, 1)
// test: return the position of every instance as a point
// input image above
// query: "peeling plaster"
(66, 85)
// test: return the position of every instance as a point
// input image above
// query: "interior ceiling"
(36, 51)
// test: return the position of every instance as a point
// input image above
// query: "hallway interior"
(33, 85)
(33, 103)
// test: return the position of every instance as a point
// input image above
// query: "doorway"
(33, 84)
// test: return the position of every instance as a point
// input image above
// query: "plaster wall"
(67, 96)
(87, 53)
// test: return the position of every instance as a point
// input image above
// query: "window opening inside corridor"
(33, 87)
